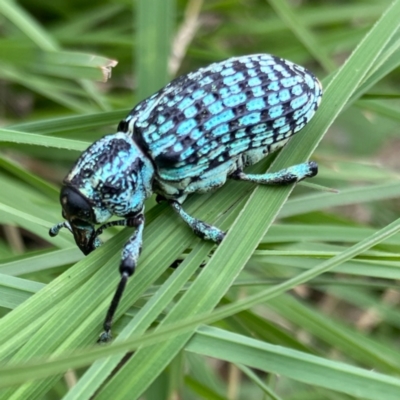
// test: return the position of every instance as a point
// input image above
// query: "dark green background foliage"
(300, 301)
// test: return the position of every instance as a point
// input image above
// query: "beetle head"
(79, 214)
(112, 177)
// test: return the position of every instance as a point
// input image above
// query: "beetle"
(190, 136)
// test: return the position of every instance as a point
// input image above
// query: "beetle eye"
(75, 205)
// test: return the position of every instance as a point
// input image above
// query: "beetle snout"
(84, 237)
(79, 213)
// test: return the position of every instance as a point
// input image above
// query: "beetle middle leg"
(200, 228)
(293, 174)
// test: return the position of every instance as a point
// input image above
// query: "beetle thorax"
(114, 175)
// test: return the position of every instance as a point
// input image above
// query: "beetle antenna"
(106, 335)
(56, 228)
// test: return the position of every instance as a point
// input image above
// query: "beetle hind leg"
(293, 174)
(200, 228)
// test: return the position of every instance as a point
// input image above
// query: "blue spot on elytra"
(267, 59)
(298, 113)
(186, 102)
(266, 69)
(299, 127)
(160, 119)
(226, 138)
(273, 99)
(287, 82)
(256, 104)
(233, 79)
(164, 142)
(224, 92)
(227, 71)
(252, 73)
(196, 134)
(177, 147)
(256, 81)
(297, 90)
(190, 112)
(215, 153)
(152, 128)
(240, 133)
(216, 107)
(201, 142)
(174, 101)
(235, 89)
(279, 123)
(171, 103)
(205, 81)
(250, 119)
(235, 100)
(276, 111)
(274, 86)
(299, 101)
(258, 91)
(310, 82)
(239, 146)
(198, 94)
(166, 127)
(220, 130)
(258, 129)
(284, 95)
(210, 98)
(187, 153)
(219, 119)
(154, 137)
(186, 126)
(284, 129)
(204, 149)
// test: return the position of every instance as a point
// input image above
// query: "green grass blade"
(296, 25)
(299, 366)
(233, 253)
(155, 22)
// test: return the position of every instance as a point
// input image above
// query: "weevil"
(190, 136)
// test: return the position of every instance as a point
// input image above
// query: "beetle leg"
(130, 256)
(292, 174)
(200, 228)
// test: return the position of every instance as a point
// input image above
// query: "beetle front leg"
(129, 260)
(200, 228)
(293, 174)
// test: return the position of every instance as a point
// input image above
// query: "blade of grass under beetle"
(233, 253)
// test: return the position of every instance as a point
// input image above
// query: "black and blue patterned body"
(190, 136)
(203, 126)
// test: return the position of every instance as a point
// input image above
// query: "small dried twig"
(185, 35)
